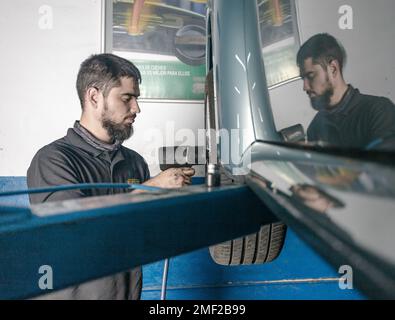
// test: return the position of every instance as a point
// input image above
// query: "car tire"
(256, 248)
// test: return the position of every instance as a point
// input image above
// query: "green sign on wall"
(171, 80)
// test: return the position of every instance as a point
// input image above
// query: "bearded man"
(92, 152)
(346, 118)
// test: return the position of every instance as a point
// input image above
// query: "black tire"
(256, 248)
(209, 119)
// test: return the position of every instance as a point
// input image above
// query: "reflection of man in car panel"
(314, 198)
(345, 117)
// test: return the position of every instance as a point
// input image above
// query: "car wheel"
(256, 248)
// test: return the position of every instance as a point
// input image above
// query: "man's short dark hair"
(104, 72)
(323, 49)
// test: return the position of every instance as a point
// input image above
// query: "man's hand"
(172, 178)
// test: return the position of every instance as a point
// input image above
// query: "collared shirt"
(93, 141)
(355, 122)
(72, 160)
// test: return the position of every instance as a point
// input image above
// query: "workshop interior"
(197, 149)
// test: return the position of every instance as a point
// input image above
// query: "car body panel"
(352, 217)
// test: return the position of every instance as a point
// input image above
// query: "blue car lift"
(85, 239)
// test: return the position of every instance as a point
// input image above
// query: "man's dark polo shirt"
(72, 160)
(357, 121)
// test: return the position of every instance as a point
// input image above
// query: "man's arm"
(170, 179)
(50, 168)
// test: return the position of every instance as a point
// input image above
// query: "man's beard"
(116, 131)
(322, 101)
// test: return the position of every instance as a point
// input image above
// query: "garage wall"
(39, 61)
